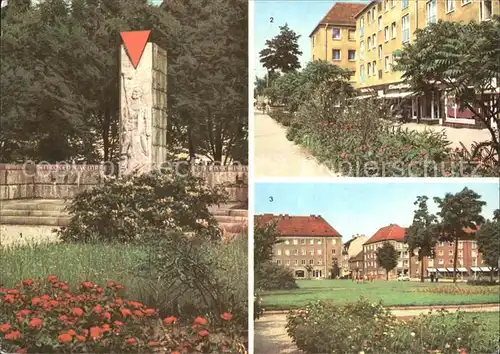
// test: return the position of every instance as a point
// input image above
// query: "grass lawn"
(391, 293)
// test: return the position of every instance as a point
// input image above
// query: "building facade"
(350, 250)
(357, 264)
(334, 38)
(307, 242)
(384, 27)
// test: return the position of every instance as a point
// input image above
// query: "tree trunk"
(386, 274)
(455, 258)
(422, 270)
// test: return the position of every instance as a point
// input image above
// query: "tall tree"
(387, 257)
(459, 218)
(421, 236)
(488, 241)
(459, 58)
(282, 52)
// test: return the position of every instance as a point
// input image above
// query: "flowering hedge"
(44, 316)
(364, 327)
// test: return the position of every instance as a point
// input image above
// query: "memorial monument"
(143, 103)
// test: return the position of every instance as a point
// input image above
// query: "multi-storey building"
(384, 27)
(306, 240)
(334, 38)
(351, 250)
(394, 234)
(357, 264)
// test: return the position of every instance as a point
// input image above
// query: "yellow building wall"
(323, 44)
(394, 14)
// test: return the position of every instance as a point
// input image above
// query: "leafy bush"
(43, 316)
(356, 138)
(272, 276)
(456, 289)
(483, 282)
(137, 207)
(365, 327)
(285, 118)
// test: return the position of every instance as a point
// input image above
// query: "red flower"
(98, 309)
(52, 278)
(35, 301)
(380, 150)
(168, 320)
(21, 351)
(149, 312)
(45, 297)
(126, 312)
(226, 316)
(99, 290)
(153, 343)
(119, 301)
(138, 313)
(423, 153)
(131, 341)
(87, 285)
(118, 323)
(200, 321)
(119, 287)
(28, 282)
(110, 284)
(80, 338)
(12, 335)
(106, 315)
(71, 332)
(105, 327)
(343, 155)
(77, 311)
(63, 317)
(64, 287)
(13, 292)
(4, 327)
(23, 313)
(95, 332)
(65, 338)
(9, 299)
(35, 323)
(175, 353)
(203, 333)
(364, 147)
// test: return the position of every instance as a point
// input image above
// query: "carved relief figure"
(136, 133)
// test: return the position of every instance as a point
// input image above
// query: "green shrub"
(481, 282)
(365, 327)
(137, 207)
(285, 118)
(272, 276)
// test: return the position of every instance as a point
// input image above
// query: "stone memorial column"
(143, 106)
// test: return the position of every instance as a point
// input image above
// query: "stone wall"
(64, 181)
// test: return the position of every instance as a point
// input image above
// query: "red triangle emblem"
(135, 42)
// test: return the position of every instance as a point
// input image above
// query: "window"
(441, 261)
(318, 252)
(374, 68)
(450, 252)
(278, 252)
(287, 252)
(431, 262)
(450, 5)
(450, 261)
(369, 17)
(465, 2)
(393, 28)
(386, 33)
(380, 23)
(302, 241)
(386, 64)
(351, 54)
(369, 69)
(374, 41)
(295, 242)
(441, 252)
(313, 39)
(335, 33)
(311, 242)
(373, 15)
(430, 7)
(295, 252)
(311, 261)
(474, 245)
(334, 242)
(351, 35)
(474, 261)
(303, 262)
(362, 75)
(369, 43)
(287, 242)
(296, 262)
(287, 262)
(303, 251)
(404, 4)
(319, 262)
(460, 245)
(393, 3)
(460, 253)
(311, 252)
(278, 261)
(405, 28)
(361, 52)
(485, 9)
(386, 5)
(319, 241)
(380, 57)
(362, 27)
(333, 252)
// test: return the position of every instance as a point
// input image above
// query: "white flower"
(446, 345)
(412, 334)
(459, 338)
(361, 352)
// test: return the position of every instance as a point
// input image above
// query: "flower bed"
(45, 317)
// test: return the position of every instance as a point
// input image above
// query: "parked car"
(403, 277)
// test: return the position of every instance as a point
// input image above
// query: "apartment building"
(350, 250)
(306, 240)
(357, 264)
(394, 234)
(334, 38)
(384, 27)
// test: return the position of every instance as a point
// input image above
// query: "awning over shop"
(450, 270)
(462, 269)
(475, 269)
(431, 270)
(485, 269)
(442, 270)
(397, 94)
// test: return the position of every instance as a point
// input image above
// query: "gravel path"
(270, 335)
(276, 156)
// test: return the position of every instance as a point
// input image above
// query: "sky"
(301, 15)
(363, 208)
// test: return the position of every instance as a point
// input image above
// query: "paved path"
(270, 335)
(455, 135)
(276, 156)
